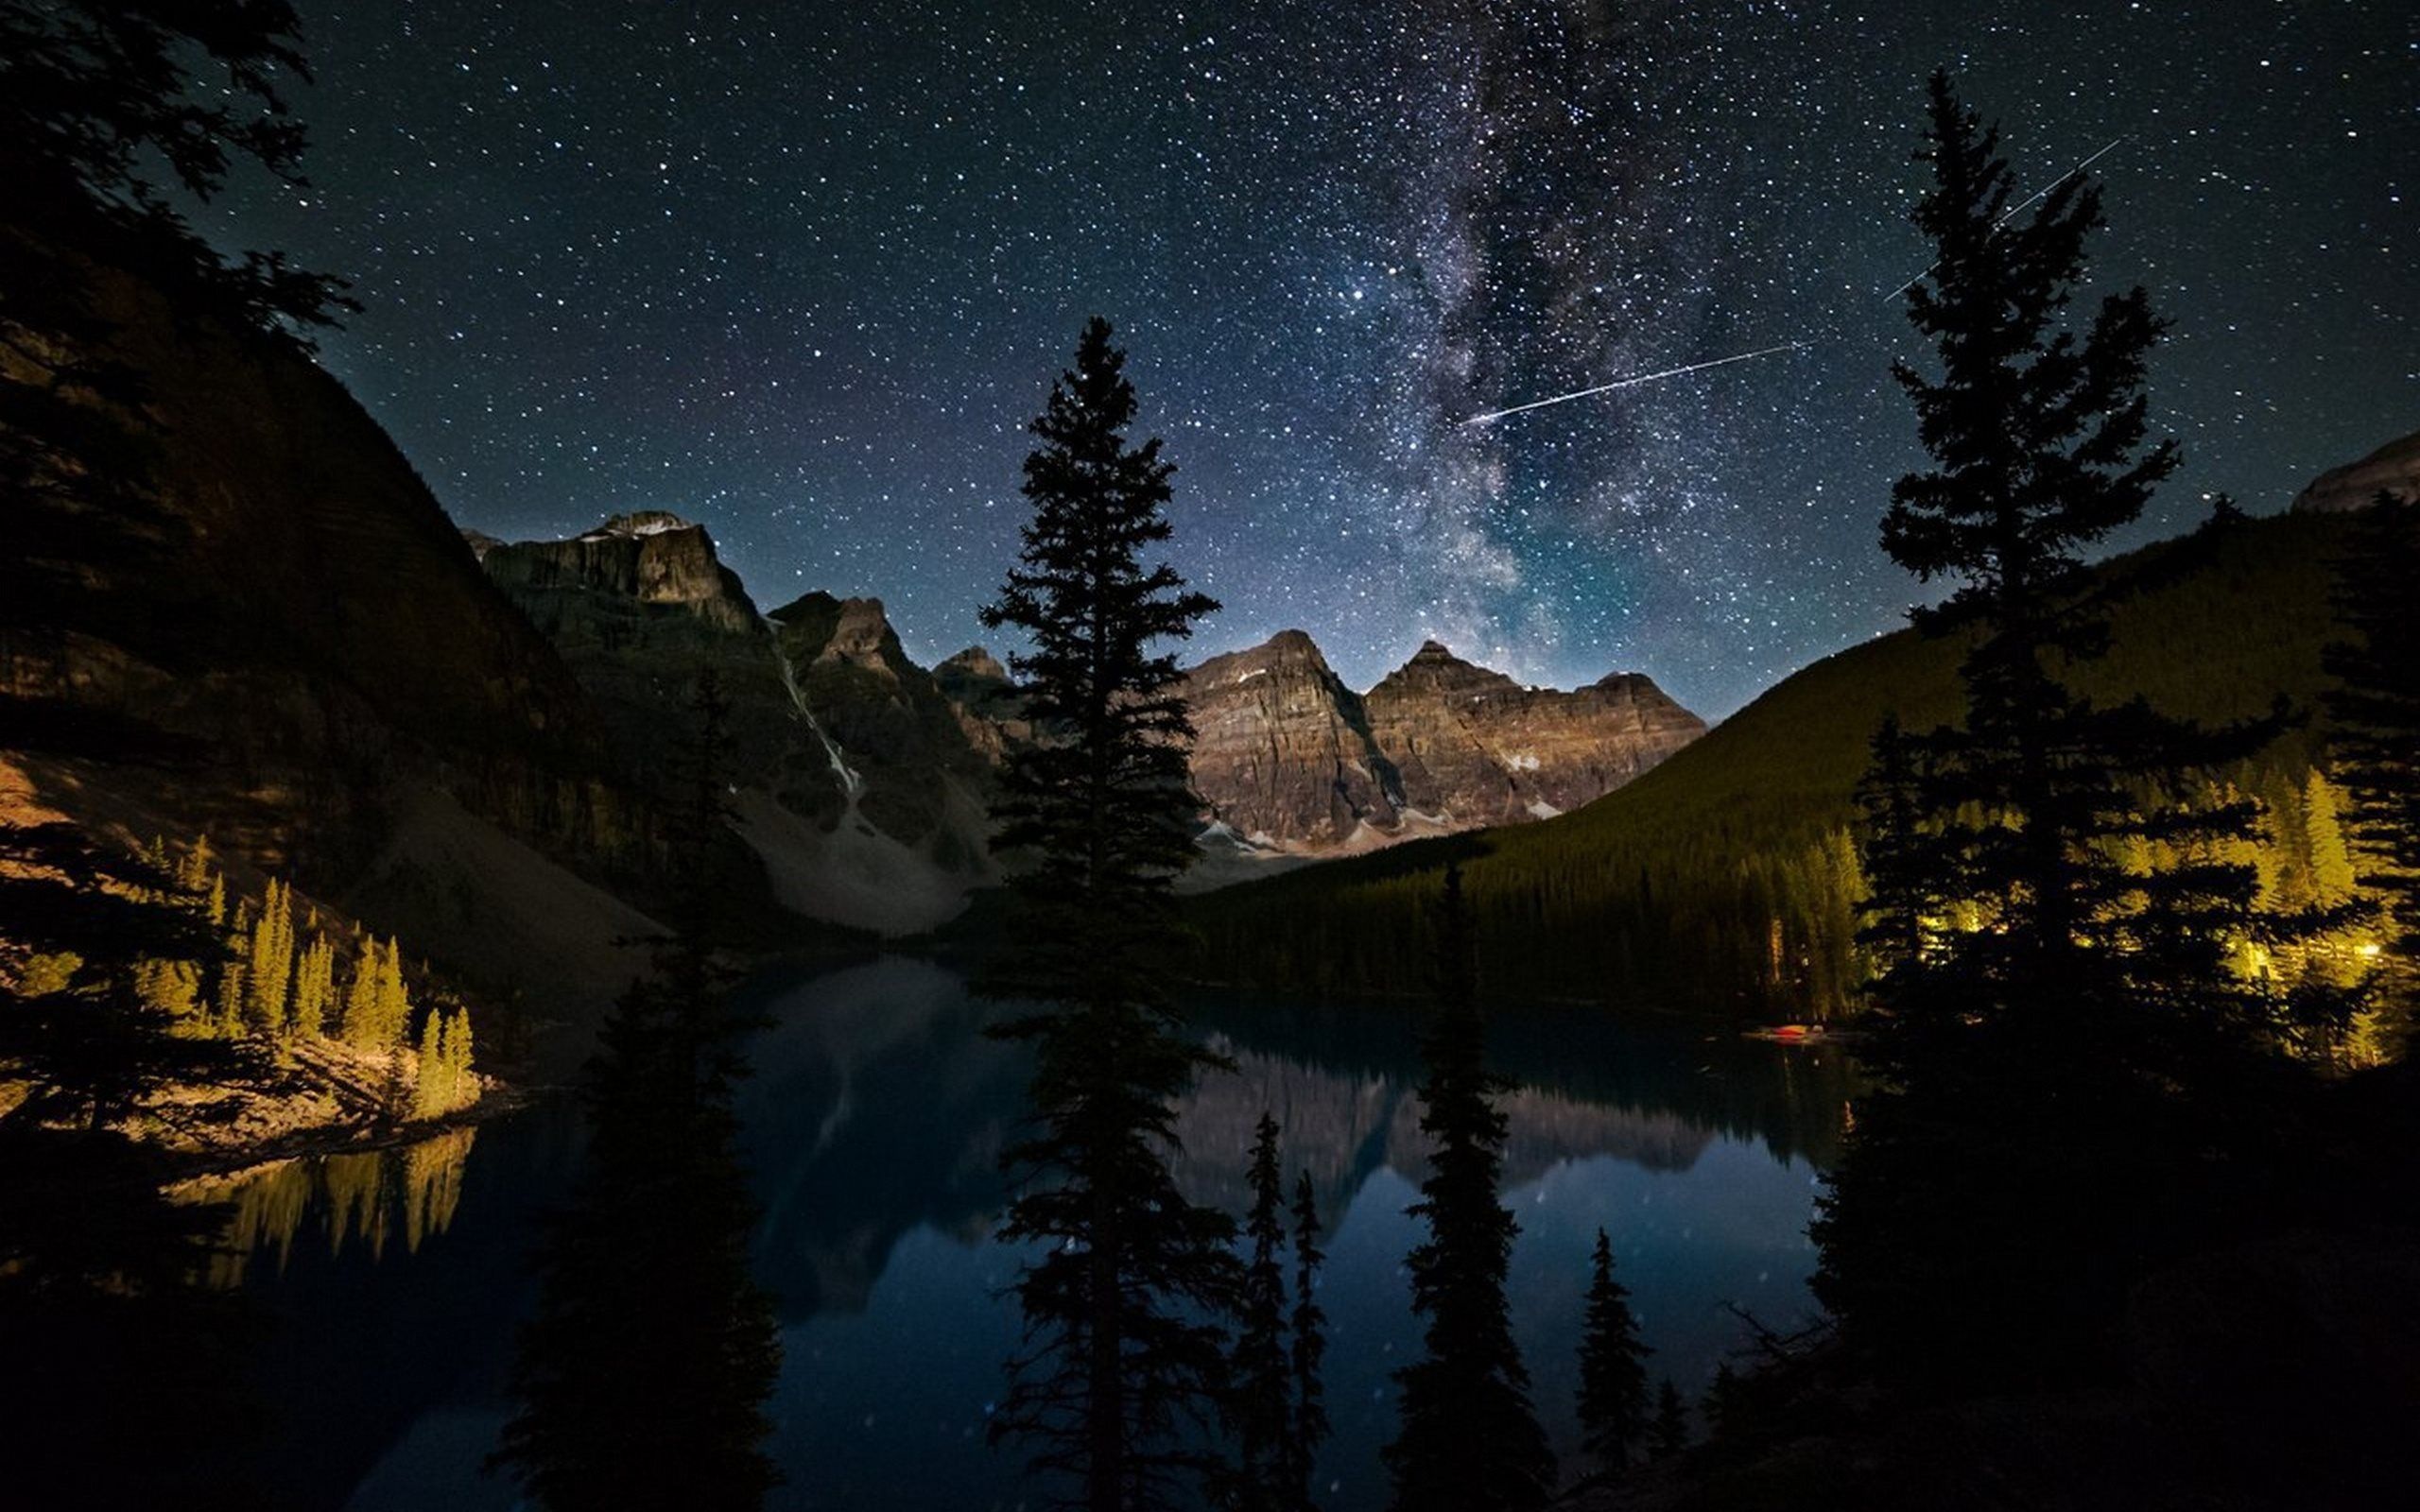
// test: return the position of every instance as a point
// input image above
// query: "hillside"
(345, 698)
(1724, 878)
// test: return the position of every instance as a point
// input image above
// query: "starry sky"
(804, 270)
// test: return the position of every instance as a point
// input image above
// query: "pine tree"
(314, 988)
(1120, 1373)
(640, 1379)
(430, 1093)
(227, 1007)
(2082, 1030)
(270, 955)
(1469, 1440)
(1613, 1369)
(1259, 1406)
(2332, 879)
(1669, 1432)
(2376, 717)
(392, 1015)
(1309, 1428)
(460, 1070)
(361, 1027)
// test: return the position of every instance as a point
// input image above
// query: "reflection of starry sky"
(803, 270)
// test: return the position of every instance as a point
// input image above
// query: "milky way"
(804, 270)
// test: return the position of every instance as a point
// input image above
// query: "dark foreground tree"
(2075, 1067)
(2376, 715)
(1309, 1426)
(1669, 1432)
(642, 1377)
(1470, 1440)
(1613, 1370)
(1260, 1409)
(1118, 1381)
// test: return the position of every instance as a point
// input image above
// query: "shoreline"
(181, 1167)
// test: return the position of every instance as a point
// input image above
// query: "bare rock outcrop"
(2394, 468)
(1282, 752)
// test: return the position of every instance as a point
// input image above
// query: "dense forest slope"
(1725, 877)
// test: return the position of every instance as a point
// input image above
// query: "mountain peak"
(642, 523)
(2394, 468)
(652, 557)
(974, 665)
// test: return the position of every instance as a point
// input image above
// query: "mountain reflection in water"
(871, 1125)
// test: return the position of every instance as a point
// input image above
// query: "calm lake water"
(392, 1283)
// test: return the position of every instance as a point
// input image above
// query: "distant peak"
(643, 522)
(976, 661)
(1434, 650)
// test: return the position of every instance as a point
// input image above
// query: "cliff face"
(650, 556)
(2395, 466)
(1476, 748)
(1288, 759)
(856, 785)
(903, 758)
(989, 712)
(1283, 754)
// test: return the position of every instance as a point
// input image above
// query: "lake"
(391, 1283)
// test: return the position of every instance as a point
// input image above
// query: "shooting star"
(2017, 209)
(1625, 382)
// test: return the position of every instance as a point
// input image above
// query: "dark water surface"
(392, 1283)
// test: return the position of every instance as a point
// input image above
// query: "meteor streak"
(1625, 382)
(2013, 211)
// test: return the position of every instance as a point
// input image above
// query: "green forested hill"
(1725, 878)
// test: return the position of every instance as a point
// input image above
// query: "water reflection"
(367, 1198)
(871, 1126)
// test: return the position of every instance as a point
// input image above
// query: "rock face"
(989, 708)
(856, 783)
(2395, 466)
(905, 761)
(1288, 759)
(1283, 755)
(1476, 748)
(650, 556)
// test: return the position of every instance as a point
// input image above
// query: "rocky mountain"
(985, 701)
(1291, 761)
(650, 556)
(2395, 466)
(856, 785)
(1283, 755)
(1476, 748)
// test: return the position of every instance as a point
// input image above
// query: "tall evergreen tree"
(1613, 1369)
(1120, 1372)
(2067, 1062)
(1260, 1387)
(641, 1379)
(2376, 720)
(1669, 1432)
(1470, 1439)
(1309, 1429)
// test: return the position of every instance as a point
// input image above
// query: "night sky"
(804, 270)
